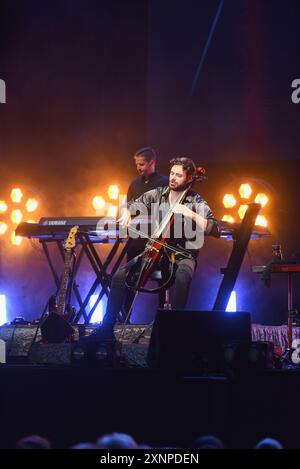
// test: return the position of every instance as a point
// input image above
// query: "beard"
(177, 187)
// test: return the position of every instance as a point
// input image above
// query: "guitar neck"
(64, 283)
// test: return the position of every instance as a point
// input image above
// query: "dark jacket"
(140, 185)
(193, 200)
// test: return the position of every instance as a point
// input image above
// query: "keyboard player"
(148, 179)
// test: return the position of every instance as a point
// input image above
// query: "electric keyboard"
(106, 229)
(284, 267)
(230, 230)
(99, 229)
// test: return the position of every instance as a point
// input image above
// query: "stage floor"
(21, 343)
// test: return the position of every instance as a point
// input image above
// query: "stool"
(164, 295)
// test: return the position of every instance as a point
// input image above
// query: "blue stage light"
(99, 311)
(3, 316)
(231, 306)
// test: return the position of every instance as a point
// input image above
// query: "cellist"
(193, 213)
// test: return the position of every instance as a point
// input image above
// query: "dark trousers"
(184, 270)
(134, 248)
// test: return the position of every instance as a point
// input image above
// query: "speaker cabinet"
(195, 339)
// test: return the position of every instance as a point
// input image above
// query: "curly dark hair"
(187, 164)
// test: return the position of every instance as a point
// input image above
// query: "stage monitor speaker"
(195, 339)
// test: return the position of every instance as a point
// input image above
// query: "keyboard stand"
(240, 244)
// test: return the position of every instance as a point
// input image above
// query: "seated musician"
(194, 211)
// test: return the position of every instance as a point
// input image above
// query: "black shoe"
(101, 335)
(99, 348)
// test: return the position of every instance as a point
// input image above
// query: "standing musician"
(194, 211)
(149, 178)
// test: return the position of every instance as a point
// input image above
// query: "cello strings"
(177, 251)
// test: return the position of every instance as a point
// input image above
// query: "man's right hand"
(125, 218)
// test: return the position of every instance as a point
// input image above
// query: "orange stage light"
(3, 228)
(98, 202)
(113, 192)
(16, 216)
(16, 195)
(31, 205)
(3, 206)
(261, 199)
(245, 191)
(112, 211)
(229, 201)
(242, 210)
(261, 221)
(228, 218)
(254, 191)
(16, 240)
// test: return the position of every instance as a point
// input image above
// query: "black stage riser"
(75, 404)
(72, 404)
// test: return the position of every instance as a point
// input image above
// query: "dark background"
(89, 82)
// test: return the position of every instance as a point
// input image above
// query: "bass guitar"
(56, 328)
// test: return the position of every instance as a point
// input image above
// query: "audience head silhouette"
(208, 442)
(33, 442)
(117, 440)
(85, 445)
(269, 443)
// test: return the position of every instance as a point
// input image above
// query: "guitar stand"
(46, 308)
